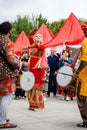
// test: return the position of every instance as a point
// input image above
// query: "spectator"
(46, 81)
(53, 61)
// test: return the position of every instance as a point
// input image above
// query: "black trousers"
(82, 104)
(52, 85)
(19, 92)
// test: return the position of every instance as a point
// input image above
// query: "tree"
(22, 24)
(56, 25)
(26, 24)
(14, 34)
(41, 20)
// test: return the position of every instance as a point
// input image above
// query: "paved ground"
(58, 115)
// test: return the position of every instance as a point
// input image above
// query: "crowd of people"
(45, 76)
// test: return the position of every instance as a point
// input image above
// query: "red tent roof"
(21, 42)
(71, 33)
(46, 33)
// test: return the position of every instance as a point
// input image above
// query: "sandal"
(83, 124)
(32, 109)
(7, 125)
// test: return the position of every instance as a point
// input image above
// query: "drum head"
(63, 78)
(27, 81)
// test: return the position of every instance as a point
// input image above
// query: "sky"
(53, 10)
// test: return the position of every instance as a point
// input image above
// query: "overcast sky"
(51, 9)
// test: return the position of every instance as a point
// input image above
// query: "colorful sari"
(35, 96)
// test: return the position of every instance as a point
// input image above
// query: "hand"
(26, 48)
(55, 73)
(75, 75)
(37, 67)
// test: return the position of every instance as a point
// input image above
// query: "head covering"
(84, 26)
(65, 48)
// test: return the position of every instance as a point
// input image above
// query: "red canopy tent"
(46, 33)
(70, 34)
(21, 42)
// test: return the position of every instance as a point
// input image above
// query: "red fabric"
(46, 33)
(43, 62)
(21, 42)
(39, 83)
(70, 34)
(31, 40)
(42, 47)
(6, 87)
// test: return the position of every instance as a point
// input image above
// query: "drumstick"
(65, 74)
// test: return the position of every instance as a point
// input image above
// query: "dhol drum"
(27, 81)
(64, 76)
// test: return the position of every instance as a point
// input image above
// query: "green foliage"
(55, 26)
(22, 24)
(82, 20)
(26, 24)
(14, 34)
(41, 20)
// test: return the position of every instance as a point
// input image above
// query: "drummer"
(82, 81)
(20, 93)
(65, 59)
(53, 61)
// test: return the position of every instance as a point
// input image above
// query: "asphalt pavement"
(58, 115)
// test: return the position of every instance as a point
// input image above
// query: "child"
(46, 80)
(19, 91)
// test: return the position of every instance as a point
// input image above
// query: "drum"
(27, 81)
(64, 76)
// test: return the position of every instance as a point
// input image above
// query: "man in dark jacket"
(53, 61)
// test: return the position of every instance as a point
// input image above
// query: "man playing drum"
(82, 81)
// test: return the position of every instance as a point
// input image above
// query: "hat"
(84, 26)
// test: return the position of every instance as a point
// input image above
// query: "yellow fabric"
(84, 50)
(83, 73)
(83, 79)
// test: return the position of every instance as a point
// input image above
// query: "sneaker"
(71, 98)
(48, 95)
(45, 98)
(16, 98)
(67, 98)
